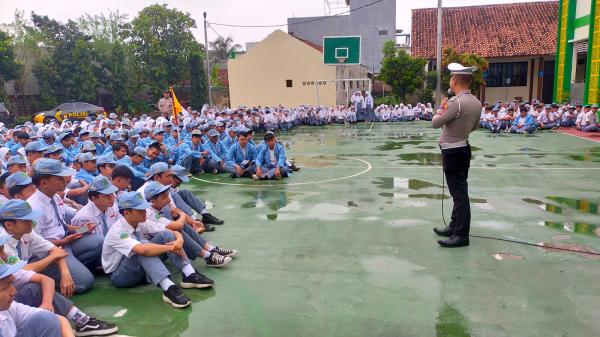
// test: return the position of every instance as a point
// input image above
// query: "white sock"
(188, 270)
(166, 283)
(210, 247)
(77, 316)
(204, 211)
(205, 254)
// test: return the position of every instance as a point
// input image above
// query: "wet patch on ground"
(389, 146)
(507, 256)
(451, 323)
(422, 158)
(576, 227)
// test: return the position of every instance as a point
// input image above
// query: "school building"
(578, 51)
(286, 70)
(518, 40)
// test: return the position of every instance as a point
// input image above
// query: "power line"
(211, 27)
(296, 23)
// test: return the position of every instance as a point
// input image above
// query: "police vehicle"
(73, 111)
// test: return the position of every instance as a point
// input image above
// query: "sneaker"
(225, 252)
(176, 298)
(196, 280)
(95, 327)
(215, 171)
(255, 177)
(208, 228)
(208, 218)
(215, 260)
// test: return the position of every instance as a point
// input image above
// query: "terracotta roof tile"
(492, 31)
(316, 46)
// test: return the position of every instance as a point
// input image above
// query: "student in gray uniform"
(271, 160)
(22, 320)
(129, 258)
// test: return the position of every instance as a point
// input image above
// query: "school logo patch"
(156, 216)
(123, 235)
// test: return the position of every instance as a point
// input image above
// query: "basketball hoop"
(341, 59)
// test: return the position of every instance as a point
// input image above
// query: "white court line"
(369, 167)
(371, 127)
(120, 313)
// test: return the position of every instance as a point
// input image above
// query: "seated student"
(88, 146)
(178, 176)
(191, 154)
(4, 195)
(153, 154)
(271, 161)
(65, 142)
(88, 169)
(53, 152)
(130, 259)
(587, 121)
(568, 117)
(20, 186)
(100, 147)
(241, 157)
(230, 139)
(37, 290)
(217, 152)
(16, 163)
(546, 118)
(40, 254)
(22, 320)
(101, 210)
(106, 165)
(84, 249)
(33, 152)
(523, 123)
(193, 244)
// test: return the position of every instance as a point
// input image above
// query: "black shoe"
(295, 168)
(454, 241)
(447, 232)
(225, 252)
(211, 219)
(176, 298)
(95, 327)
(208, 228)
(217, 261)
(196, 280)
(233, 175)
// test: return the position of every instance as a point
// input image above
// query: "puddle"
(415, 204)
(451, 323)
(272, 216)
(507, 256)
(489, 156)
(352, 204)
(426, 147)
(429, 196)
(581, 205)
(583, 250)
(528, 149)
(544, 206)
(424, 158)
(402, 183)
(588, 156)
(387, 194)
(490, 165)
(316, 161)
(406, 222)
(389, 146)
(494, 224)
(478, 200)
(475, 148)
(577, 227)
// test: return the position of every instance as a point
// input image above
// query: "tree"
(222, 47)
(197, 81)
(450, 55)
(119, 76)
(405, 74)
(9, 68)
(162, 42)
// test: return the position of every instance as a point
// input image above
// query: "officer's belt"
(446, 146)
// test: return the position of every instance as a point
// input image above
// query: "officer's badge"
(123, 235)
(12, 260)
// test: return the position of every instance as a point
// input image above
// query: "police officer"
(458, 117)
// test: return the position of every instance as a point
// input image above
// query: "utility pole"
(207, 63)
(438, 87)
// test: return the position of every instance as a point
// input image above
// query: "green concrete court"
(321, 255)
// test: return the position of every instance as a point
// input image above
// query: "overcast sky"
(244, 12)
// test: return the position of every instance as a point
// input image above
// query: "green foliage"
(9, 68)
(162, 43)
(214, 76)
(387, 100)
(389, 49)
(426, 95)
(405, 74)
(221, 48)
(120, 79)
(198, 82)
(449, 55)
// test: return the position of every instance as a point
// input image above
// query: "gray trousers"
(31, 295)
(248, 171)
(83, 279)
(194, 202)
(268, 172)
(88, 249)
(133, 270)
(41, 324)
(191, 164)
(193, 243)
(211, 164)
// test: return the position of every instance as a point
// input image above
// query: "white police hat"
(457, 68)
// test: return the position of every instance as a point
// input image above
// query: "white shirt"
(119, 242)
(48, 225)
(272, 156)
(91, 213)
(13, 319)
(155, 223)
(143, 188)
(22, 277)
(31, 244)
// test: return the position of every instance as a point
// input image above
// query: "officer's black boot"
(454, 241)
(447, 232)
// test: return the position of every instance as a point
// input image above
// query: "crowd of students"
(104, 196)
(526, 118)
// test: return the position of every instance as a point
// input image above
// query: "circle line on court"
(367, 169)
